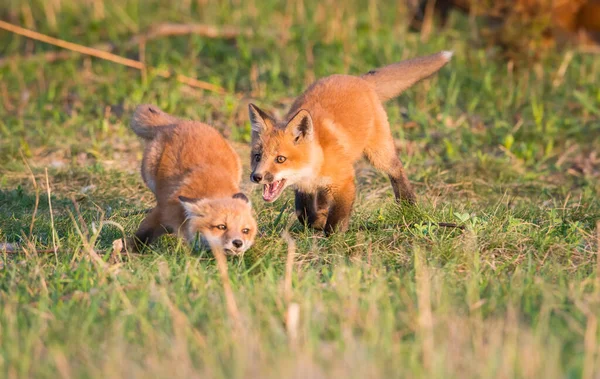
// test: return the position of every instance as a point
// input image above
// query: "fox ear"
(241, 196)
(301, 126)
(194, 207)
(259, 120)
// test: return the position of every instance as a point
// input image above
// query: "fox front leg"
(312, 209)
(149, 230)
(306, 207)
(342, 199)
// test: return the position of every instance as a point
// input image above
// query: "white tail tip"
(447, 54)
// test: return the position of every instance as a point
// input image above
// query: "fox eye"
(221, 227)
(256, 157)
(245, 230)
(280, 159)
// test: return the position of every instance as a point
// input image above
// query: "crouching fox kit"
(334, 123)
(194, 174)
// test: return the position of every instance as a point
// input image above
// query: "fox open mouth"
(272, 191)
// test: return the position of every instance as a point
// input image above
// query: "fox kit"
(338, 120)
(194, 174)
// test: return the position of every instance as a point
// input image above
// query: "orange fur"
(338, 120)
(194, 174)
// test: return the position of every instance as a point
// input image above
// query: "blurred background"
(522, 29)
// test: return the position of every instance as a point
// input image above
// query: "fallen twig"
(53, 56)
(448, 225)
(108, 56)
(209, 31)
(161, 30)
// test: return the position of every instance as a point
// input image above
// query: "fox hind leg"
(382, 155)
(401, 185)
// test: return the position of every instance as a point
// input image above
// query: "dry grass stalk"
(292, 315)
(107, 56)
(289, 266)
(428, 21)
(99, 11)
(80, 217)
(292, 319)
(87, 244)
(232, 308)
(590, 346)
(37, 195)
(560, 74)
(50, 14)
(5, 95)
(424, 305)
(54, 236)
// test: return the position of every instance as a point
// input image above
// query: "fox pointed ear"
(193, 207)
(243, 197)
(301, 126)
(259, 120)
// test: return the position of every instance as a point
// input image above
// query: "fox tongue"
(271, 191)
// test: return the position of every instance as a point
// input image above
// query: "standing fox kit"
(194, 174)
(334, 123)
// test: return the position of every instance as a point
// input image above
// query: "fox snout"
(258, 177)
(235, 246)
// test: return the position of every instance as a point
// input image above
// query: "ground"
(506, 149)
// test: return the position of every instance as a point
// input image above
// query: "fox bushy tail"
(390, 81)
(149, 119)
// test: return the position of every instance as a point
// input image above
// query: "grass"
(508, 150)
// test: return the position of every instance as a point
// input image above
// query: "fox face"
(227, 223)
(283, 153)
